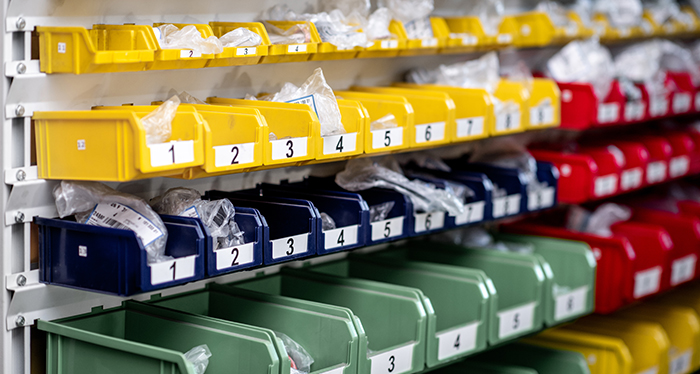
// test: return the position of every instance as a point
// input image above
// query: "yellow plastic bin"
(510, 123)
(292, 52)
(545, 104)
(328, 51)
(536, 29)
(613, 34)
(434, 113)
(295, 127)
(234, 56)
(474, 110)
(110, 145)
(166, 59)
(352, 143)
(386, 47)
(427, 46)
(477, 38)
(78, 50)
(378, 106)
(604, 354)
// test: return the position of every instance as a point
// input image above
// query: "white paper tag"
(341, 237)
(634, 111)
(608, 113)
(172, 153)
(388, 228)
(683, 269)
(658, 106)
(61, 48)
(681, 102)
(396, 361)
(606, 185)
(429, 42)
(189, 53)
(678, 166)
(428, 221)
(516, 320)
(681, 363)
(504, 38)
(470, 127)
(234, 154)
(390, 44)
(290, 246)
(246, 51)
(508, 121)
(540, 199)
(289, 148)
(430, 132)
(631, 179)
(345, 143)
(387, 138)
(571, 303)
(296, 48)
(173, 270)
(473, 212)
(656, 172)
(542, 114)
(457, 341)
(647, 282)
(509, 205)
(234, 256)
(119, 216)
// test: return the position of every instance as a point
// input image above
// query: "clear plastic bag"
(515, 68)
(490, 13)
(301, 359)
(241, 37)
(663, 11)
(386, 122)
(186, 98)
(379, 212)
(95, 204)
(328, 222)
(347, 7)
(297, 34)
(620, 13)
(414, 14)
(158, 124)
(584, 61)
(483, 73)
(317, 94)
(335, 28)
(377, 25)
(646, 62)
(557, 13)
(363, 174)
(171, 37)
(199, 358)
(599, 221)
(522, 161)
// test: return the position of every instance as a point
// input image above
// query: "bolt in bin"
(234, 56)
(581, 108)
(544, 360)
(292, 52)
(394, 317)
(459, 297)
(425, 46)
(145, 339)
(167, 59)
(474, 367)
(518, 279)
(293, 224)
(239, 257)
(326, 332)
(573, 269)
(536, 29)
(114, 261)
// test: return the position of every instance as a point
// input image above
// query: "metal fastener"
(21, 175)
(20, 321)
(21, 281)
(19, 217)
(21, 23)
(19, 111)
(21, 68)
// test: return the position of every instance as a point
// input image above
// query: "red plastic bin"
(634, 169)
(683, 96)
(683, 149)
(582, 109)
(660, 153)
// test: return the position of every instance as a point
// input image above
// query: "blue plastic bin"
(544, 197)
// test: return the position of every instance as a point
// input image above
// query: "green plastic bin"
(459, 296)
(519, 281)
(394, 317)
(327, 332)
(138, 338)
(473, 367)
(573, 271)
(541, 359)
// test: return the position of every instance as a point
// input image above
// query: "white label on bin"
(508, 205)
(172, 153)
(429, 42)
(681, 364)
(658, 106)
(656, 172)
(457, 341)
(119, 216)
(631, 178)
(504, 38)
(697, 102)
(634, 111)
(678, 166)
(234, 256)
(390, 44)
(344, 143)
(81, 144)
(681, 102)
(61, 48)
(541, 198)
(339, 370)
(647, 282)
(428, 221)
(470, 40)
(388, 228)
(387, 138)
(189, 53)
(473, 212)
(234, 154)
(508, 121)
(683, 269)
(296, 48)
(82, 251)
(571, 303)
(396, 361)
(470, 126)
(606, 185)
(516, 320)
(430, 132)
(542, 114)
(341, 237)
(173, 270)
(246, 51)
(289, 148)
(290, 246)
(608, 113)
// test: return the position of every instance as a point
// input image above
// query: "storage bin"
(581, 108)
(544, 104)
(684, 93)
(459, 297)
(114, 261)
(683, 148)
(167, 59)
(293, 224)
(394, 317)
(427, 46)
(234, 56)
(613, 34)
(110, 145)
(292, 52)
(513, 92)
(326, 332)
(386, 47)
(536, 29)
(633, 172)
(476, 38)
(544, 360)
(143, 339)
(339, 147)
(660, 153)
(328, 51)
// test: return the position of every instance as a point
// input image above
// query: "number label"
(681, 363)
(429, 42)
(335, 144)
(396, 361)
(508, 121)
(606, 185)
(678, 166)
(634, 111)
(656, 172)
(608, 113)
(188, 53)
(387, 138)
(172, 153)
(289, 246)
(658, 106)
(386, 229)
(246, 51)
(296, 48)
(681, 102)
(683, 269)
(173, 270)
(431, 132)
(389, 44)
(571, 303)
(540, 199)
(515, 321)
(341, 237)
(234, 154)
(289, 148)
(235, 256)
(470, 127)
(506, 206)
(61, 48)
(542, 114)
(428, 221)
(647, 282)
(473, 212)
(457, 341)
(631, 179)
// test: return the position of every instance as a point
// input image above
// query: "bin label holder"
(516, 320)
(647, 282)
(456, 341)
(473, 212)
(683, 269)
(396, 361)
(234, 256)
(570, 303)
(388, 228)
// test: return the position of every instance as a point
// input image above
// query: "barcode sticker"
(296, 48)
(188, 53)
(516, 320)
(387, 138)
(656, 172)
(290, 246)
(457, 341)
(605, 185)
(679, 166)
(681, 102)
(173, 270)
(541, 198)
(508, 205)
(634, 111)
(683, 269)
(172, 153)
(647, 282)
(396, 361)
(508, 121)
(631, 179)
(234, 256)
(473, 212)
(246, 51)
(289, 148)
(234, 154)
(658, 106)
(390, 44)
(608, 113)
(340, 237)
(124, 217)
(344, 143)
(470, 126)
(428, 221)
(571, 303)
(430, 132)
(388, 228)
(681, 363)
(542, 114)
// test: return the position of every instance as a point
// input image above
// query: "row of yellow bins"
(234, 135)
(120, 48)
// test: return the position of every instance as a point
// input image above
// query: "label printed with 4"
(341, 237)
(457, 341)
(334, 144)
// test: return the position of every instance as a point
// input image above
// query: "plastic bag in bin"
(199, 358)
(159, 123)
(620, 13)
(414, 14)
(583, 61)
(297, 34)
(241, 37)
(300, 359)
(599, 221)
(647, 63)
(171, 37)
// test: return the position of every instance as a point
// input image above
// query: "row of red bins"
(608, 166)
(656, 249)
(582, 109)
